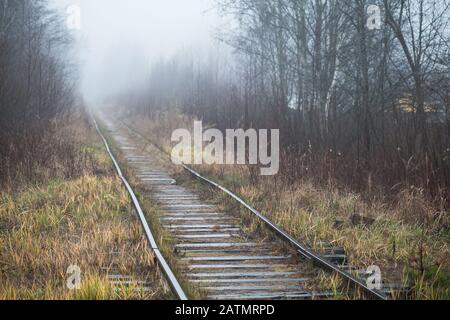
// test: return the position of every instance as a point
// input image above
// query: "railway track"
(213, 250)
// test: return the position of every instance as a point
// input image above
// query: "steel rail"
(302, 249)
(153, 245)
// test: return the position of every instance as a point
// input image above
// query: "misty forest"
(360, 93)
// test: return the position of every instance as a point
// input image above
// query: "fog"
(119, 40)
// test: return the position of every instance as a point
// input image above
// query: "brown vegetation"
(406, 235)
(36, 92)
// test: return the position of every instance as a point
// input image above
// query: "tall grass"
(81, 217)
(42, 153)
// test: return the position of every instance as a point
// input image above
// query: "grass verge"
(87, 221)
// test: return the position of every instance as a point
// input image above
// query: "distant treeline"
(361, 93)
(36, 86)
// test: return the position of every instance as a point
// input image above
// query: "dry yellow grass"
(86, 221)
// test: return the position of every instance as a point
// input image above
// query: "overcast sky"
(117, 35)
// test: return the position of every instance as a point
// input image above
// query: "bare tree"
(357, 105)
